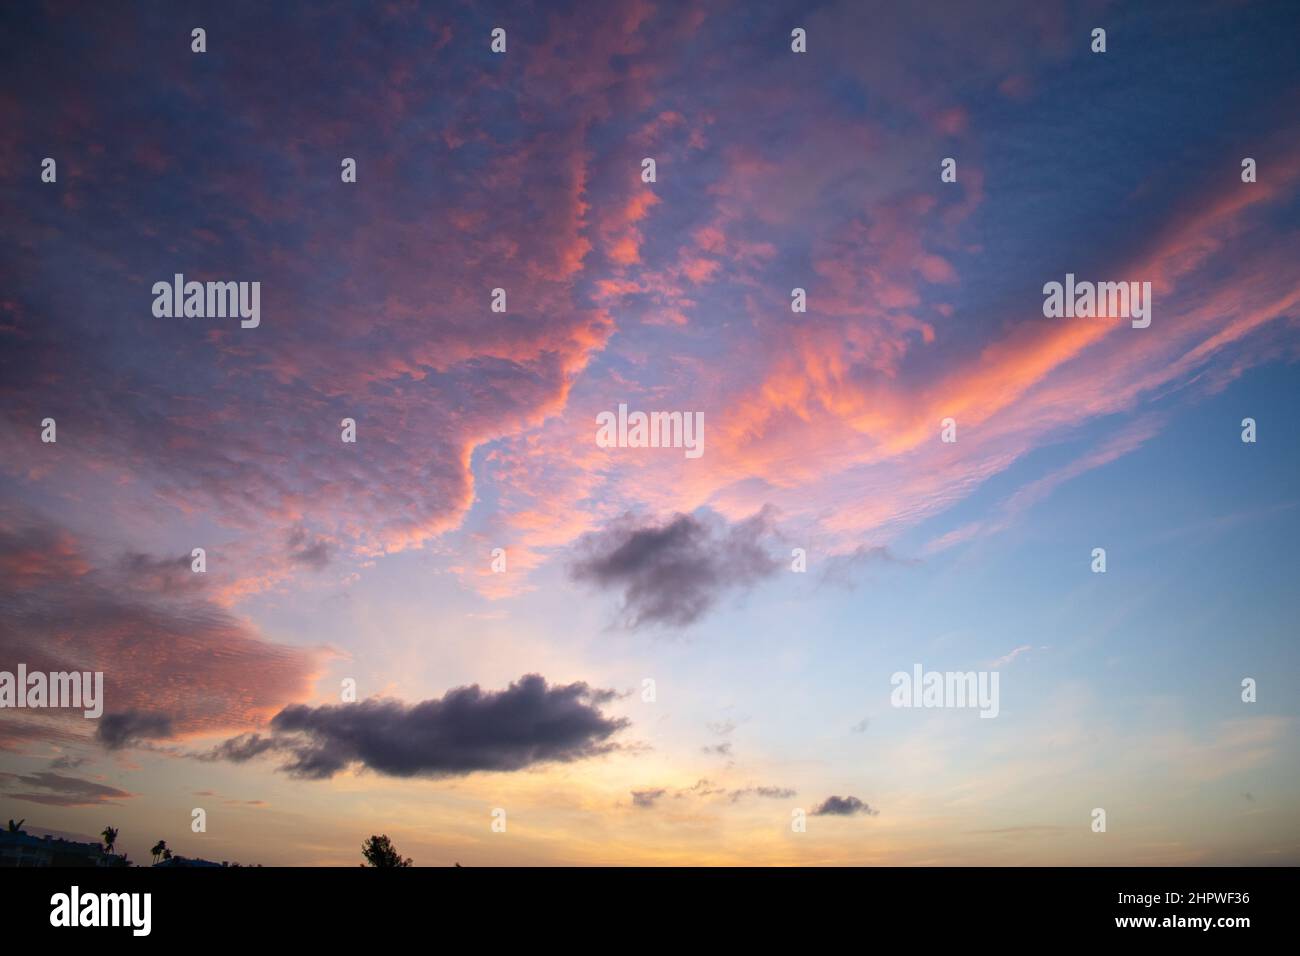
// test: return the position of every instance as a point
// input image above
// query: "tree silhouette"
(16, 827)
(380, 852)
(159, 849)
(110, 838)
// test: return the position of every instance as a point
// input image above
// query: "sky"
(671, 659)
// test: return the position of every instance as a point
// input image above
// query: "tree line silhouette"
(377, 851)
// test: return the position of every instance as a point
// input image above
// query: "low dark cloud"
(130, 727)
(59, 790)
(843, 807)
(160, 575)
(673, 573)
(245, 747)
(646, 798)
(718, 750)
(465, 731)
(308, 551)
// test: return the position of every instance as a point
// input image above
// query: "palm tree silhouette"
(16, 827)
(110, 838)
(159, 849)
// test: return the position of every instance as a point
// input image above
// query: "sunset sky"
(524, 690)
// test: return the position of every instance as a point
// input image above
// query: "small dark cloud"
(465, 731)
(861, 726)
(150, 573)
(646, 798)
(673, 573)
(309, 551)
(66, 762)
(843, 807)
(59, 790)
(129, 727)
(244, 748)
(718, 750)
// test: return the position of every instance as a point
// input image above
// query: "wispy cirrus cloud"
(649, 797)
(60, 790)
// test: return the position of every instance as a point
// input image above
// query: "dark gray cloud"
(843, 807)
(160, 575)
(718, 750)
(673, 573)
(129, 727)
(245, 747)
(465, 731)
(59, 790)
(646, 798)
(310, 552)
